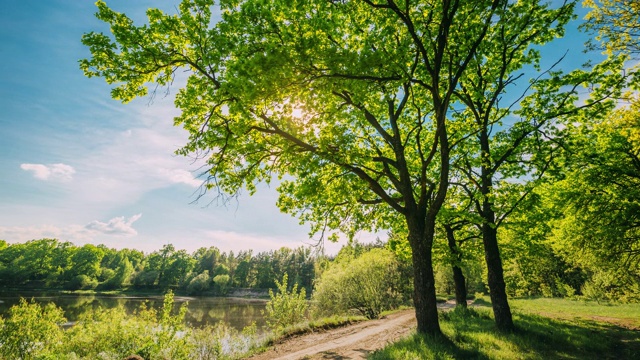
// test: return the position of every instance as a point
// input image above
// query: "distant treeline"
(50, 263)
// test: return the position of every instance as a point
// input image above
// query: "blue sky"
(81, 167)
(78, 166)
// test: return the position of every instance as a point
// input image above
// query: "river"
(236, 312)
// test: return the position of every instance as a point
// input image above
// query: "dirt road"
(350, 342)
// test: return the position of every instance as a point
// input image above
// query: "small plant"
(286, 307)
(30, 331)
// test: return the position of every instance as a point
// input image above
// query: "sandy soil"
(350, 342)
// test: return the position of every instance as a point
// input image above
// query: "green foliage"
(122, 275)
(221, 282)
(615, 23)
(82, 282)
(286, 307)
(62, 266)
(351, 97)
(31, 331)
(444, 279)
(369, 284)
(199, 283)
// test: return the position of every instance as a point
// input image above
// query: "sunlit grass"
(472, 334)
(627, 315)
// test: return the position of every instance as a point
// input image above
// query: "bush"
(30, 331)
(146, 278)
(82, 282)
(199, 283)
(286, 307)
(221, 282)
(369, 284)
(112, 334)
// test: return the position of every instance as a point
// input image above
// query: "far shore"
(243, 293)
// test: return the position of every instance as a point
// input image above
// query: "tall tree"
(599, 196)
(616, 24)
(516, 137)
(351, 100)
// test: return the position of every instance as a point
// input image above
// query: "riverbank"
(236, 312)
(231, 293)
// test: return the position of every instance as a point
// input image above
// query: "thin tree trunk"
(495, 274)
(458, 276)
(424, 293)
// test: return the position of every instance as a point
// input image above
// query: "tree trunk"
(458, 276)
(495, 275)
(424, 293)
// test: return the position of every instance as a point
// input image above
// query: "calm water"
(236, 312)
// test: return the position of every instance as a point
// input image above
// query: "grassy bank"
(547, 329)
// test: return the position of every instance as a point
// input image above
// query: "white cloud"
(58, 171)
(180, 176)
(234, 241)
(74, 233)
(116, 226)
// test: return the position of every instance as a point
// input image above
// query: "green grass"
(315, 325)
(574, 335)
(626, 315)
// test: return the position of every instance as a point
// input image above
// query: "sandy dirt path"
(350, 342)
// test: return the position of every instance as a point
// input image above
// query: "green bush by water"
(31, 331)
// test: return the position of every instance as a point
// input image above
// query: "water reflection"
(201, 311)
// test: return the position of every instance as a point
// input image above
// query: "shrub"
(285, 307)
(199, 283)
(30, 331)
(221, 282)
(82, 282)
(112, 334)
(369, 284)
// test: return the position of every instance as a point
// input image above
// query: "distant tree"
(123, 272)
(180, 264)
(199, 284)
(86, 261)
(244, 274)
(206, 259)
(221, 281)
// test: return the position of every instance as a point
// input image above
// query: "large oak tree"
(350, 103)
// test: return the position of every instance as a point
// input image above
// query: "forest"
(53, 264)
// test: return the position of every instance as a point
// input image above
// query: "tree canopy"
(356, 106)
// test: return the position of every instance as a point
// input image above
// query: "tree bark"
(495, 274)
(495, 277)
(458, 276)
(424, 293)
